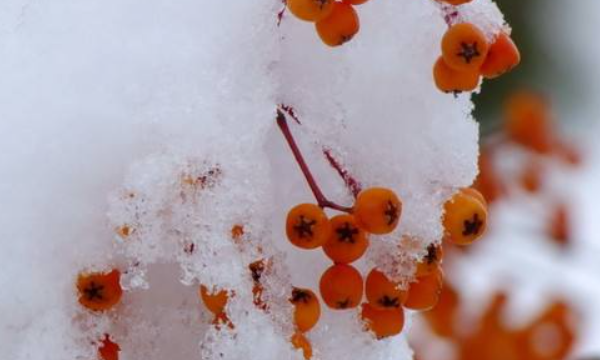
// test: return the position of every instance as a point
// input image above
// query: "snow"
(107, 106)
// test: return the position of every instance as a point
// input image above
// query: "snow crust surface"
(108, 108)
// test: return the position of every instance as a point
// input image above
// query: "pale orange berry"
(340, 26)
(465, 218)
(464, 47)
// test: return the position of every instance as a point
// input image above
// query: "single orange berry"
(310, 10)
(99, 291)
(307, 309)
(383, 323)
(465, 218)
(348, 242)
(340, 26)
(214, 301)
(453, 81)
(455, 2)
(382, 293)
(307, 226)
(529, 121)
(443, 317)
(299, 341)
(378, 210)
(464, 47)
(431, 261)
(502, 57)
(108, 350)
(424, 293)
(341, 287)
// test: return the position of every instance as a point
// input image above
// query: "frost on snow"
(169, 107)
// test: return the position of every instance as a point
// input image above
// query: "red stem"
(351, 183)
(322, 201)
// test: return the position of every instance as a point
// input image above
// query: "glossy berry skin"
(382, 293)
(108, 350)
(340, 26)
(383, 323)
(502, 57)
(464, 47)
(310, 10)
(341, 287)
(378, 210)
(99, 291)
(431, 261)
(307, 226)
(307, 309)
(424, 293)
(299, 341)
(214, 301)
(465, 218)
(453, 81)
(474, 193)
(348, 242)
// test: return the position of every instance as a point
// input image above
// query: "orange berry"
(348, 242)
(502, 57)
(382, 293)
(465, 218)
(378, 210)
(453, 81)
(431, 261)
(299, 341)
(443, 317)
(99, 291)
(464, 47)
(108, 350)
(528, 121)
(340, 26)
(307, 226)
(425, 292)
(384, 323)
(307, 309)
(310, 10)
(214, 301)
(341, 287)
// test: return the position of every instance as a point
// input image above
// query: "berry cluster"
(336, 22)
(467, 55)
(344, 239)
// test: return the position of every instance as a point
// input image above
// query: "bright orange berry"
(341, 287)
(378, 210)
(465, 218)
(108, 350)
(502, 57)
(299, 341)
(307, 309)
(424, 293)
(464, 47)
(431, 261)
(99, 291)
(528, 121)
(307, 226)
(348, 241)
(383, 293)
(384, 323)
(340, 26)
(310, 10)
(214, 301)
(449, 80)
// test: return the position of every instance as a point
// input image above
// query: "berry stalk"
(322, 201)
